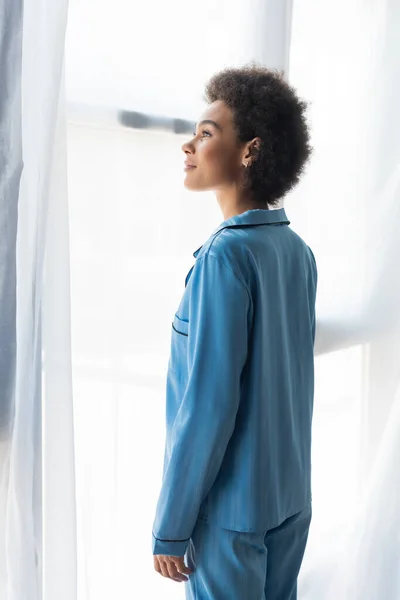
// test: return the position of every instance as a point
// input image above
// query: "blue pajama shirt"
(240, 384)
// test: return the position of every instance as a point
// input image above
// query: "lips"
(189, 166)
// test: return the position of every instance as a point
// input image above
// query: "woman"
(236, 490)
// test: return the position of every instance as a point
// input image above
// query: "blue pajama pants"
(231, 565)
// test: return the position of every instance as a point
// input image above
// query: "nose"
(188, 148)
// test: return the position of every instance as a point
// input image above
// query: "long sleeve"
(217, 343)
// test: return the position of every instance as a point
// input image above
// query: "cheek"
(219, 161)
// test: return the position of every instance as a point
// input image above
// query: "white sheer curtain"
(348, 64)
(37, 529)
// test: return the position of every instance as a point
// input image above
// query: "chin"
(191, 188)
(191, 185)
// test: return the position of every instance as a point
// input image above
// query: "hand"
(172, 567)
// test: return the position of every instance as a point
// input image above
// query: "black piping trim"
(180, 333)
(158, 539)
(182, 320)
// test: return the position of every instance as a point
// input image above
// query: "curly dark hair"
(264, 105)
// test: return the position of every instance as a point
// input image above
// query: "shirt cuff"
(170, 548)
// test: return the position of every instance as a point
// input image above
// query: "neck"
(233, 202)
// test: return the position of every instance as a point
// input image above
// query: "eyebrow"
(210, 123)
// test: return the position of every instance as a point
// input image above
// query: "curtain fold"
(351, 201)
(32, 49)
(59, 503)
(10, 176)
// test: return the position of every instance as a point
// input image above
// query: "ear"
(251, 151)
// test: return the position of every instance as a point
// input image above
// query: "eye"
(204, 133)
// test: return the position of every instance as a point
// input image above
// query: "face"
(214, 156)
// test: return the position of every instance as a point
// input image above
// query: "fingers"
(173, 572)
(172, 567)
(180, 565)
(161, 566)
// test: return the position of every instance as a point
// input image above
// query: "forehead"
(219, 112)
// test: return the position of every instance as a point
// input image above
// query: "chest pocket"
(180, 327)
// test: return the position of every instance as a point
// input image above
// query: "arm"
(216, 354)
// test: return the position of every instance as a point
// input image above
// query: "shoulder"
(225, 251)
(229, 247)
(228, 244)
